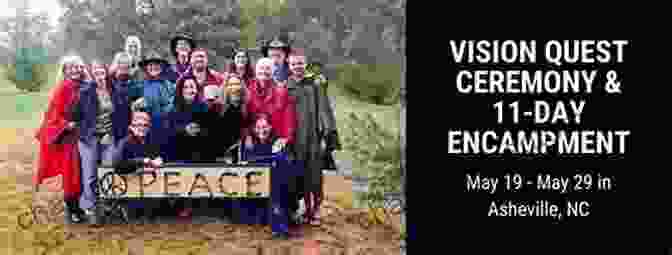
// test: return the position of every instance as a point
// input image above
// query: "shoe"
(280, 236)
(93, 216)
(73, 214)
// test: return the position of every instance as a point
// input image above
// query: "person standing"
(263, 150)
(57, 137)
(314, 136)
(134, 48)
(277, 50)
(181, 46)
(199, 69)
(154, 94)
(241, 68)
(103, 115)
(264, 96)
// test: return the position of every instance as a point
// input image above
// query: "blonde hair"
(135, 40)
(264, 61)
(68, 60)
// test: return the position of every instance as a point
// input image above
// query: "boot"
(73, 214)
(94, 215)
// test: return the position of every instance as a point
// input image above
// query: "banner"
(188, 181)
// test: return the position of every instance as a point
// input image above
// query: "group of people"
(141, 111)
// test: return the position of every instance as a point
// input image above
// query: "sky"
(7, 8)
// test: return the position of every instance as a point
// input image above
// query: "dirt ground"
(344, 230)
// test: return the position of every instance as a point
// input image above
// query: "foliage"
(98, 28)
(377, 84)
(28, 72)
(251, 12)
(379, 151)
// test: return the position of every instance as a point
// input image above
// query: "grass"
(23, 109)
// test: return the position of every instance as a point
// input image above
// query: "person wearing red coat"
(58, 135)
(263, 96)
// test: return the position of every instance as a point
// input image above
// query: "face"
(262, 129)
(133, 48)
(183, 45)
(123, 71)
(277, 55)
(99, 72)
(73, 71)
(240, 59)
(199, 60)
(264, 70)
(189, 90)
(297, 64)
(154, 69)
(140, 124)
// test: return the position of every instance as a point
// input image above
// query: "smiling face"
(262, 129)
(277, 55)
(140, 124)
(190, 90)
(99, 72)
(240, 59)
(133, 48)
(199, 60)
(264, 69)
(73, 71)
(153, 69)
(297, 64)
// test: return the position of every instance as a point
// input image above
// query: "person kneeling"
(134, 153)
(268, 148)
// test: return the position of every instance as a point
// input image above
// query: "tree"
(100, 27)
(26, 54)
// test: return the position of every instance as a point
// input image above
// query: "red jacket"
(58, 147)
(276, 103)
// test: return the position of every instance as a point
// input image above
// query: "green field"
(20, 109)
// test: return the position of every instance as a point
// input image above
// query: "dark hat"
(276, 43)
(152, 57)
(181, 36)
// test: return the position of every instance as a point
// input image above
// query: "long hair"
(258, 117)
(180, 103)
(249, 71)
(133, 39)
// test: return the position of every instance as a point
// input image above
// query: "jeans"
(91, 155)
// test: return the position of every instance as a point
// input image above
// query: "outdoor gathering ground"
(343, 227)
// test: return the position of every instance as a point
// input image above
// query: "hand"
(279, 145)
(71, 125)
(139, 104)
(157, 162)
(248, 142)
(192, 129)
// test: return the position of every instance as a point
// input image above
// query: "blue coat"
(281, 72)
(88, 110)
(158, 94)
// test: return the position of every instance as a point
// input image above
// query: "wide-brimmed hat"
(181, 36)
(276, 43)
(152, 57)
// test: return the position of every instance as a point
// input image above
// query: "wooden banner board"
(188, 181)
